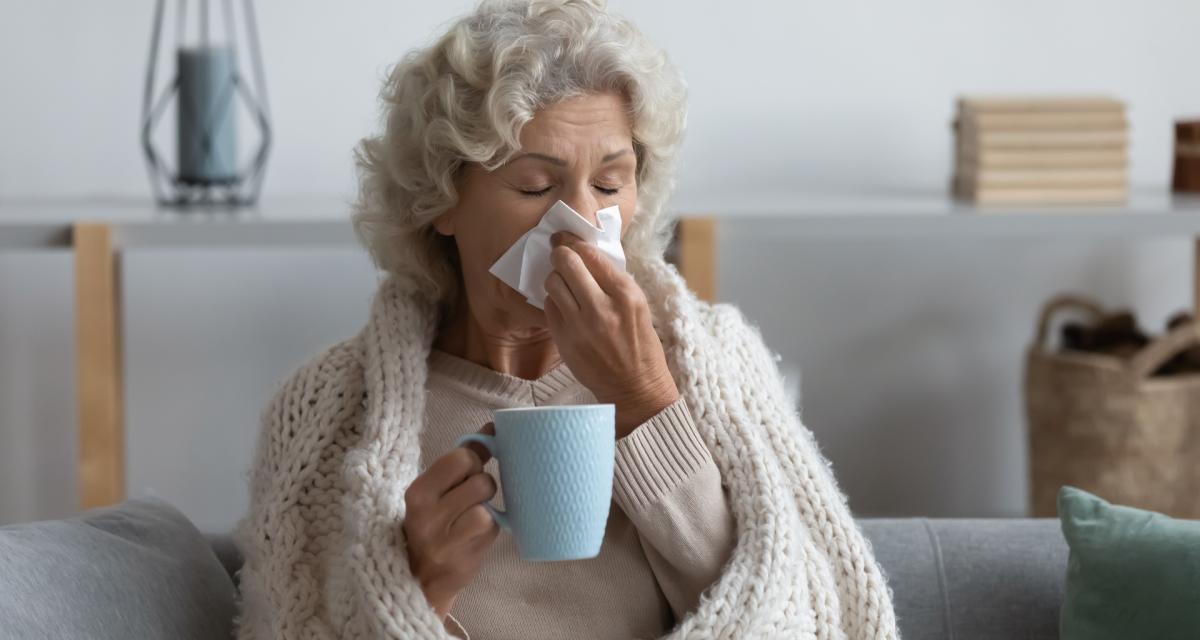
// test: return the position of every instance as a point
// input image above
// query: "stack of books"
(1041, 150)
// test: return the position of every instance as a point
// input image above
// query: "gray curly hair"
(466, 98)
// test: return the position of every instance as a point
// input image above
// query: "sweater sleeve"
(666, 482)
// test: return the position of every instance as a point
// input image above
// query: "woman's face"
(579, 151)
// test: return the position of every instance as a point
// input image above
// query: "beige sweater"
(669, 532)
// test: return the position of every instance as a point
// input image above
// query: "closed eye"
(541, 192)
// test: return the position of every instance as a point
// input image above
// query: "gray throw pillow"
(139, 569)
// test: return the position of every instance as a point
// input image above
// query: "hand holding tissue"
(526, 264)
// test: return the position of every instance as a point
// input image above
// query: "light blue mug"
(556, 472)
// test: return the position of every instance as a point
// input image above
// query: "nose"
(584, 203)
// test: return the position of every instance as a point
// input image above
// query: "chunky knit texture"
(323, 543)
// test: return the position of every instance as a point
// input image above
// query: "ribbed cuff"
(659, 455)
(455, 629)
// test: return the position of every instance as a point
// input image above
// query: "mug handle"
(488, 442)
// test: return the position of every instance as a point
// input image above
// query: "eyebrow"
(562, 163)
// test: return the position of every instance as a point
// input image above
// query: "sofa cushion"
(1132, 573)
(139, 569)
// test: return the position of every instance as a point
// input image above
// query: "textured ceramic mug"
(556, 472)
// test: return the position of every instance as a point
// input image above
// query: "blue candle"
(207, 142)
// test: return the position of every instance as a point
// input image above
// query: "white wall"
(911, 350)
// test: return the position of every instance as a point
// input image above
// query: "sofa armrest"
(972, 578)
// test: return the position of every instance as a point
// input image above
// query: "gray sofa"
(973, 579)
(141, 569)
(950, 579)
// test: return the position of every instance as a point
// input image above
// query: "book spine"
(1018, 104)
(1018, 178)
(1040, 158)
(1046, 139)
(1049, 196)
(1066, 121)
(1185, 175)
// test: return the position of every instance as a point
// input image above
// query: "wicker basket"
(1103, 424)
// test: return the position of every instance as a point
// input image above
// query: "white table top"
(917, 213)
(803, 215)
(136, 222)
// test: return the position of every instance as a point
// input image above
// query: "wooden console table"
(97, 231)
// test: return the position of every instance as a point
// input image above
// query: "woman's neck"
(525, 353)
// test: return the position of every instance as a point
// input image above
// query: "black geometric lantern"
(208, 85)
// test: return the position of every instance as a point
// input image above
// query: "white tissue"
(526, 264)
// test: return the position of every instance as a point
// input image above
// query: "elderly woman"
(366, 522)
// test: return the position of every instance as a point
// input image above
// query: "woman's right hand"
(449, 532)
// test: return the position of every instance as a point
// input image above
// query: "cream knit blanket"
(322, 540)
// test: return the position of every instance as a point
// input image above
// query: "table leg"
(698, 256)
(101, 478)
